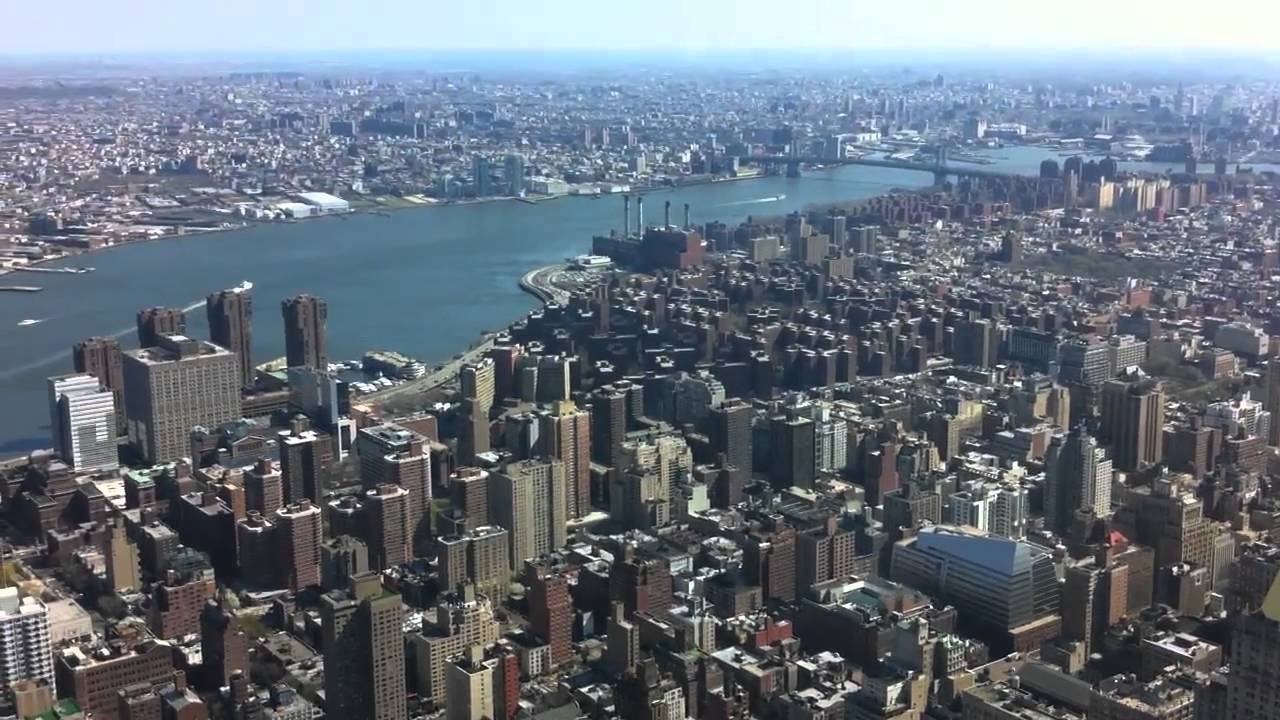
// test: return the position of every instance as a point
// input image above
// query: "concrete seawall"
(538, 283)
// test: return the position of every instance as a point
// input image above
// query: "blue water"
(425, 281)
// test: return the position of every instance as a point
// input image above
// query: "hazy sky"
(124, 26)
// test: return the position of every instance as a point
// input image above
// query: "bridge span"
(940, 170)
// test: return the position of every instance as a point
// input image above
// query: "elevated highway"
(940, 170)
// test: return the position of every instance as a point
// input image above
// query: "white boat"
(28, 321)
(243, 287)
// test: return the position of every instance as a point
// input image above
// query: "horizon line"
(926, 51)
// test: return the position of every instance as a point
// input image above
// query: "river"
(425, 281)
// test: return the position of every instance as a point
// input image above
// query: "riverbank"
(425, 284)
(538, 283)
(373, 207)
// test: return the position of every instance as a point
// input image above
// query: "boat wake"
(65, 356)
(757, 201)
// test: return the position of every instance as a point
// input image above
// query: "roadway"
(433, 379)
(549, 284)
(545, 283)
(947, 169)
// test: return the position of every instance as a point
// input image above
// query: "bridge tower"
(940, 166)
(793, 168)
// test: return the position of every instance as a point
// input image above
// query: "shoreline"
(375, 209)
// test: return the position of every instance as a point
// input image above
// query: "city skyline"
(922, 389)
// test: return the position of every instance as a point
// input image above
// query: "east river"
(425, 282)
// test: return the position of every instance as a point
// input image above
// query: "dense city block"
(998, 446)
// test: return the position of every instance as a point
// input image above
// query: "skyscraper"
(1253, 685)
(340, 559)
(550, 608)
(1168, 517)
(566, 436)
(469, 494)
(769, 560)
(101, 358)
(230, 314)
(478, 558)
(976, 342)
(1077, 478)
(304, 331)
(299, 531)
(624, 641)
(1133, 422)
(173, 387)
(305, 457)
(1273, 400)
(555, 378)
(364, 652)
(463, 619)
(82, 419)
(478, 383)
(608, 426)
(25, 649)
(159, 321)
(475, 438)
(482, 176)
(731, 434)
(176, 601)
(386, 511)
(470, 686)
(391, 453)
(513, 170)
(641, 496)
(529, 500)
(791, 445)
(263, 487)
(123, 569)
(224, 646)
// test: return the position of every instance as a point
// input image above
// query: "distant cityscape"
(998, 448)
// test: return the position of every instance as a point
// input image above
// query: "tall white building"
(643, 495)
(25, 648)
(1078, 474)
(470, 686)
(1009, 514)
(82, 421)
(1246, 413)
(1125, 351)
(831, 434)
(530, 501)
(972, 508)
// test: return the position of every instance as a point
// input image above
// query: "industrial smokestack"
(640, 215)
(666, 214)
(687, 224)
(626, 215)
